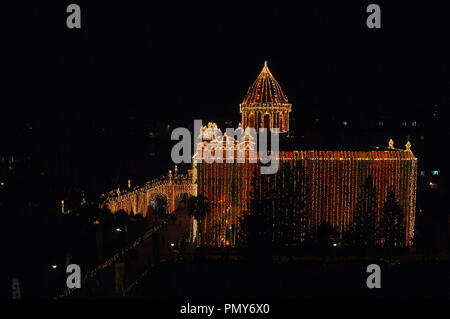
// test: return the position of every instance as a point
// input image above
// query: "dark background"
(88, 94)
(84, 110)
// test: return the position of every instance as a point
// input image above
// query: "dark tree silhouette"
(391, 228)
(362, 232)
(256, 226)
(290, 195)
(198, 208)
(160, 210)
(326, 235)
(122, 218)
(277, 215)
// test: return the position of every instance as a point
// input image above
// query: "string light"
(109, 262)
(265, 101)
(334, 176)
(334, 188)
(137, 200)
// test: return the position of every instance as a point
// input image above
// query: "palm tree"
(198, 208)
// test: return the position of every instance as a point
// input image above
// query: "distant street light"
(118, 230)
(54, 266)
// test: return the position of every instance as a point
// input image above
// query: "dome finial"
(408, 145)
(265, 68)
(391, 143)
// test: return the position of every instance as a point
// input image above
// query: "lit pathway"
(170, 234)
(138, 261)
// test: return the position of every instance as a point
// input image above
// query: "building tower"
(265, 105)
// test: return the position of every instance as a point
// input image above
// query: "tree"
(122, 218)
(277, 215)
(362, 231)
(198, 208)
(290, 197)
(391, 228)
(160, 211)
(326, 234)
(256, 225)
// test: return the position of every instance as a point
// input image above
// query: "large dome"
(265, 90)
(265, 105)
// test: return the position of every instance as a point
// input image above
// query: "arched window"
(251, 120)
(280, 121)
(266, 120)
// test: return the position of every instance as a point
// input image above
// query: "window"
(433, 185)
(404, 123)
(414, 123)
(435, 173)
(344, 123)
(380, 123)
(422, 173)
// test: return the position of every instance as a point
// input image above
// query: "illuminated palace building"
(335, 178)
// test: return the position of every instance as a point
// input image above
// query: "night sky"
(162, 61)
(85, 110)
(169, 60)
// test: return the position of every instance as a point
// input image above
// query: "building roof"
(265, 90)
(386, 154)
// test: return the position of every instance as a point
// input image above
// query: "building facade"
(335, 178)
